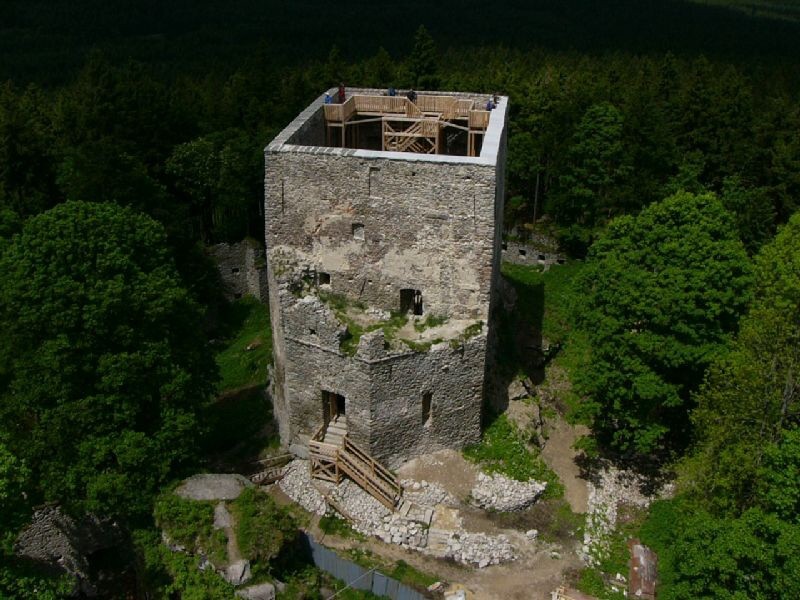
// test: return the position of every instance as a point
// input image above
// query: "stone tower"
(383, 221)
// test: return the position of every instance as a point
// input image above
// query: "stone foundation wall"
(242, 268)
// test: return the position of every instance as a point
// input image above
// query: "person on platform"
(341, 94)
(412, 95)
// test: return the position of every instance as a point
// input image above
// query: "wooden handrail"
(478, 119)
(377, 467)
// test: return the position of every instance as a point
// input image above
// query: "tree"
(661, 295)
(598, 168)
(750, 400)
(422, 61)
(219, 176)
(754, 556)
(105, 367)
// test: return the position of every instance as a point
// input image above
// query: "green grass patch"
(401, 570)
(262, 527)
(247, 349)
(405, 573)
(503, 450)
(341, 304)
(429, 322)
(190, 523)
(333, 525)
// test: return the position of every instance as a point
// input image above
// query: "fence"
(358, 577)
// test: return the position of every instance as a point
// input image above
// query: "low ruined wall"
(242, 268)
(530, 253)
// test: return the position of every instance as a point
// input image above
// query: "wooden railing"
(376, 477)
(448, 107)
(380, 104)
(269, 470)
(329, 462)
(478, 119)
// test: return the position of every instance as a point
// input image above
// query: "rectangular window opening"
(323, 278)
(411, 301)
(542, 257)
(427, 399)
(504, 246)
(523, 252)
(235, 270)
(358, 232)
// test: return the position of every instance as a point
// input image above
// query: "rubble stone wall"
(242, 268)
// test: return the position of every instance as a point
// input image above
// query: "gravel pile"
(479, 549)
(297, 484)
(367, 512)
(397, 530)
(497, 492)
(426, 493)
(372, 518)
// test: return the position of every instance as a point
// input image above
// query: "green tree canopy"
(105, 367)
(751, 397)
(422, 61)
(662, 293)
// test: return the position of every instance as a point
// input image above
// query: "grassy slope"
(248, 350)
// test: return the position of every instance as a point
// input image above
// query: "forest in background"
(140, 126)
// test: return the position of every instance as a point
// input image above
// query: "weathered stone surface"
(366, 225)
(209, 486)
(263, 591)
(242, 268)
(222, 518)
(238, 572)
(64, 543)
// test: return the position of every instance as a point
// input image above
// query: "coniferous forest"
(658, 143)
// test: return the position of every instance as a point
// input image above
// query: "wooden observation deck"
(421, 126)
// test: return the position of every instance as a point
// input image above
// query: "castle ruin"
(383, 226)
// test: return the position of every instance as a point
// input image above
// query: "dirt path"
(560, 456)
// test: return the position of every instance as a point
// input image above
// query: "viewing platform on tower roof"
(437, 124)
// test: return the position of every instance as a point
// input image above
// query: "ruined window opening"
(333, 406)
(358, 232)
(561, 261)
(323, 278)
(235, 270)
(237, 296)
(411, 301)
(542, 257)
(504, 246)
(427, 398)
(312, 331)
(523, 252)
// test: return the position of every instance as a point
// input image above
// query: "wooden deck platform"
(407, 126)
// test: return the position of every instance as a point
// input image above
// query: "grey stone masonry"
(242, 268)
(356, 237)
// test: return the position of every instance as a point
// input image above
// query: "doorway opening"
(333, 406)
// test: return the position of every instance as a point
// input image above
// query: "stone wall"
(64, 544)
(383, 389)
(242, 268)
(530, 253)
(426, 226)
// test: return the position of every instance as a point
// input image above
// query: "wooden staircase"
(269, 470)
(333, 455)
